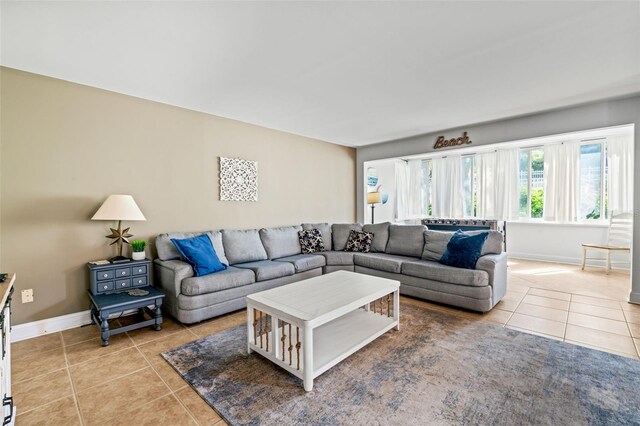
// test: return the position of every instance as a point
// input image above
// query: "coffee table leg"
(307, 352)
(249, 328)
(396, 308)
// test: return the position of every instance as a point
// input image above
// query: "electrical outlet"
(27, 295)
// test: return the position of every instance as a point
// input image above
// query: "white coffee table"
(309, 326)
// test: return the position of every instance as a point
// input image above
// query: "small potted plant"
(137, 248)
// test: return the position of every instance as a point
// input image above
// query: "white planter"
(138, 255)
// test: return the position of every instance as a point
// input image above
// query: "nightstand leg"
(158, 318)
(105, 332)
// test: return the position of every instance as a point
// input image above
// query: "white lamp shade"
(374, 198)
(119, 207)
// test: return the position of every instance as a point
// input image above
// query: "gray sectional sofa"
(270, 257)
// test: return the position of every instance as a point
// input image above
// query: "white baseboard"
(53, 325)
(634, 297)
(596, 263)
(50, 325)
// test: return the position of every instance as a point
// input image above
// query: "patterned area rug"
(438, 369)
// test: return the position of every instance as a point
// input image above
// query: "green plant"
(138, 245)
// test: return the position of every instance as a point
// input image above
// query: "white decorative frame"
(238, 179)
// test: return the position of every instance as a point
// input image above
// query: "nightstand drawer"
(105, 275)
(139, 281)
(105, 286)
(123, 283)
(123, 272)
(139, 270)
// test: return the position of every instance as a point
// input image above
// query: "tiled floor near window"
(69, 379)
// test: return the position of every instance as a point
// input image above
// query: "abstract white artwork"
(238, 180)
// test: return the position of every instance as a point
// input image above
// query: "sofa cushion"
(310, 241)
(243, 246)
(268, 269)
(232, 277)
(406, 240)
(463, 250)
(168, 251)
(325, 230)
(304, 262)
(380, 233)
(281, 242)
(435, 243)
(340, 234)
(448, 274)
(338, 258)
(359, 241)
(381, 261)
(199, 253)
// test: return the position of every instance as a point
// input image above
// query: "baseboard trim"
(596, 263)
(50, 325)
(33, 329)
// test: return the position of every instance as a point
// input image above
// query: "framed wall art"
(238, 179)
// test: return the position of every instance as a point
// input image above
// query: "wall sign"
(238, 180)
(441, 142)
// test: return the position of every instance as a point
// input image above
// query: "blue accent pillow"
(200, 254)
(464, 250)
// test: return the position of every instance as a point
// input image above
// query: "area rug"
(438, 369)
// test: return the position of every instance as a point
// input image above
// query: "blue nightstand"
(103, 305)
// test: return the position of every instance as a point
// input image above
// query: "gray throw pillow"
(281, 242)
(406, 240)
(243, 245)
(340, 233)
(380, 233)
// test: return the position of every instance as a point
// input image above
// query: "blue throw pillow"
(200, 254)
(464, 250)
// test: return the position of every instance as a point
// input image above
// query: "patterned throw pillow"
(311, 241)
(359, 241)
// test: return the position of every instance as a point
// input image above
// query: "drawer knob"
(123, 273)
(106, 287)
(105, 275)
(139, 281)
(123, 284)
(139, 270)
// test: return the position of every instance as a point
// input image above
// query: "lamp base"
(119, 259)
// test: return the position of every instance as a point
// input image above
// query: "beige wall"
(66, 147)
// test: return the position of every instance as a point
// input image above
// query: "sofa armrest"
(170, 273)
(496, 266)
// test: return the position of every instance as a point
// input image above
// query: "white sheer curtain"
(409, 197)
(446, 187)
(620, 163)
(497, 185)
(562, 181)
(401, 210)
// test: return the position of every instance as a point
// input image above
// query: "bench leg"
(608, 269)
(584, 256)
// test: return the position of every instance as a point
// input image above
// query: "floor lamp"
(373, 198)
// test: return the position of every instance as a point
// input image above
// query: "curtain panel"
(562, 181)
(446, 187)
(620, 163)
(497, 185)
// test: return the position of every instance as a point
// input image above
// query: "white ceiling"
(352, 73)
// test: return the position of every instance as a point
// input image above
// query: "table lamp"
(373, 198)
(119, 207)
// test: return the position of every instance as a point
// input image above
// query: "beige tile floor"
(67, 378)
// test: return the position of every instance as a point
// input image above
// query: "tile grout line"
(171, 391)
(566, 321)
(73, 385)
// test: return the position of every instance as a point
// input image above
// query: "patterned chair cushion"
(311, 241)
(359, 241)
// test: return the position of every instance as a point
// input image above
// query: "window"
(531, 183)
(592, 182)
(426, 186)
